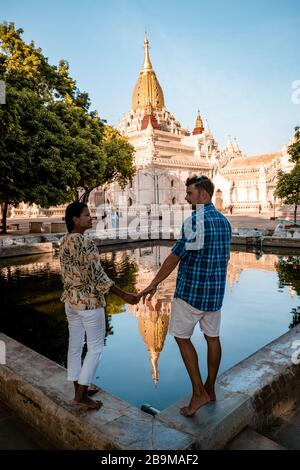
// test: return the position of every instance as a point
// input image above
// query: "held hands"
(134, 299)
(149, 290)
(127, 296)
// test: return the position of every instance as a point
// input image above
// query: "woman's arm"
(102, 282)
(130, 298)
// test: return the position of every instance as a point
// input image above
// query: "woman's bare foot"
(210, 390)
(196, 402)
(88, 403)
(82, 398)
(92, 389)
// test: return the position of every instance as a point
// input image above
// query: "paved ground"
(252, 221)
(16, 435)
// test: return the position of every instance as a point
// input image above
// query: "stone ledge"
(266, 241)
(27, 245)
(25, 249)
(249, 394)
(214, 424)
(37, 390)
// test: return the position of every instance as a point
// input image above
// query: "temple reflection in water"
(153, 317)
(34, 286)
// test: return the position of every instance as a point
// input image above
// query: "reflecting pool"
(141, 363)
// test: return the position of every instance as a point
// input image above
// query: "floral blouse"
(84, 279)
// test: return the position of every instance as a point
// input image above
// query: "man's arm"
(168, 266)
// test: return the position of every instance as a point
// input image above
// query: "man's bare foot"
(196, 402)
(210, 391)
(88, 403)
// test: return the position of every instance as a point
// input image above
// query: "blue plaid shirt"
(201, 274)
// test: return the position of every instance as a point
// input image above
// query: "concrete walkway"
(16, 435)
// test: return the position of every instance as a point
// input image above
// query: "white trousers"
(91, 323)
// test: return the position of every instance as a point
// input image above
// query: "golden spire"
(154, 355)
(199, 125)
(147, 91)
(199, 122)
(153, 328)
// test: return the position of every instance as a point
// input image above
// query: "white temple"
(166, 154)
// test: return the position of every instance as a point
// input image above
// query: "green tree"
(98, 152)
(119, 157)
(294, 148)
(33, 163)
(288, 184)
(53, 148)
(288, 188)
(23, 66)
(33, 167)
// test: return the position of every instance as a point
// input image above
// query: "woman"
(85, 284)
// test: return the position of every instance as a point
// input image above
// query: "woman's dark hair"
(201, 182)
(73, 210)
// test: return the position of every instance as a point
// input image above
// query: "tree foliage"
(53, 149)
(288, 184)
(294, 148)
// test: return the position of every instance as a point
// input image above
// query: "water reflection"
(288, 268)
(32, 313)
(153, 318)
(153, 322)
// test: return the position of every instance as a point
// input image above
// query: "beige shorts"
(184, 318)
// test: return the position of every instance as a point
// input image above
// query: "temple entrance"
(219, 200)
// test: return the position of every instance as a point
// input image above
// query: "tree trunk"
(295, 213)
(85, 196)
(4, 218)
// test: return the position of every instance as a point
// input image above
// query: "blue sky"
(235, 60)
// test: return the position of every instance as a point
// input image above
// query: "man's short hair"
(201, 182)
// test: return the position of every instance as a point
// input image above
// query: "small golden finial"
(147, 63)
(199, 123)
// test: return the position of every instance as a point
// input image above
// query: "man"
(200, 286)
